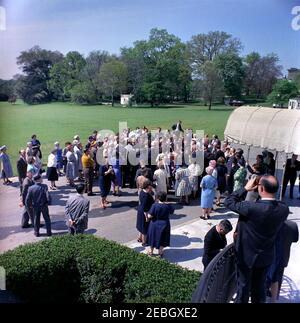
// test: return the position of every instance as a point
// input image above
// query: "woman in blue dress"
(145, 202)
(6, 169)
(117, 180)
(105, 177)
(159, 229)
(208, 184)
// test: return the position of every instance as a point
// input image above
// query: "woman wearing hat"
(208, 184)
(6, 169)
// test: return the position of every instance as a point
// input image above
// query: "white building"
(126, 99)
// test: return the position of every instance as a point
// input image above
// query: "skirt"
(52, 174)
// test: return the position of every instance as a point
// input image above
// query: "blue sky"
(86, 25)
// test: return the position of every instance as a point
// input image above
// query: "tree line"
(158, 70)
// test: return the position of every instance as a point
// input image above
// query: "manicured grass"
(61, 121)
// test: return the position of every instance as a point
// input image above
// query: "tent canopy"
(268, 128)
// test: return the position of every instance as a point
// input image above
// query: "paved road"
(115, 223)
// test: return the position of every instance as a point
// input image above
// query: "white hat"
(3, 147)
(76, 137)
(56, 143)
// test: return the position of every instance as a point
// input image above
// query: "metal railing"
(218, 282)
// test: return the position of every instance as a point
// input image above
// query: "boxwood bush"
(83, 268)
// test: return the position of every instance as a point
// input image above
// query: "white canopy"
(268, 128)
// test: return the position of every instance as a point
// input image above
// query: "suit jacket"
(38, 196)
(21, 167)
(288, 234)
(259, 223)
(77, 209)
(25, 186)
(292, 171)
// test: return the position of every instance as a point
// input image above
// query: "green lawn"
(61, 121)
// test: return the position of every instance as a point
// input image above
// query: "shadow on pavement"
(181, 255)
(178, 241)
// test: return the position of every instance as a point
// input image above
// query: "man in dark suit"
(288, 234)
(177, 126)
(256, 231)
(27, 211)
(77, 210)
(215, 240)
(38, 198)
(290, 174)
(21, 167)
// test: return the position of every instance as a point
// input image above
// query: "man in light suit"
(258, 225)
(76, 211)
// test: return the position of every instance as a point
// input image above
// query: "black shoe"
(91, 194)
(25, 226)
(36, 234)
(49, 234)
(42, 225)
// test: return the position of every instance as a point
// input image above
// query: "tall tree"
(91, 71)
(36, 64)
(231, 70)
(283, 90)
(212, 85)
(66, 74)
(113, 78)
(205, 47)
(261, 73)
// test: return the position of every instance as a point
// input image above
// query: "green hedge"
(84, 268)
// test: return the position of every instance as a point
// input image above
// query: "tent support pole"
(248, 153)
(276, 164)
(283, 173)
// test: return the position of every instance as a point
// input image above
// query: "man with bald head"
(256, 231)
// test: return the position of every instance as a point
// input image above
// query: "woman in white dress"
(161, 178)
(195, 172)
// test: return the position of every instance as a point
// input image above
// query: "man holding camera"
(258, 225)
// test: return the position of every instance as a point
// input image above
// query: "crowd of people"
(161, 163)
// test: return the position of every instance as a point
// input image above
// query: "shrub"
(87, 269)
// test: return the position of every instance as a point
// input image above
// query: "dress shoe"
(36, 234)
(91, 194)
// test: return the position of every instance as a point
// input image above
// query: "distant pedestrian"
(215, 240)
(6, 169)
(36, 146)
(88, 171)
(59, 158)
(21, 167)
(77, 210)
(52, 174)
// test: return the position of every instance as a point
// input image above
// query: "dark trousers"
(37, 217)
(251, 281)
(26, 215)
(76, 230)
(289, 178)
(88, 174)
(21, 179)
